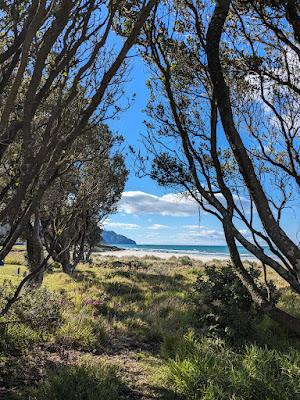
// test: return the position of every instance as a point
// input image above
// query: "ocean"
(187, 249)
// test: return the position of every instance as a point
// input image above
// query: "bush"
(30, 320)
(223, 305)
(41, 309)
(209, 369)
(185, 260)
(37, 308)
(166, 316)
(17, 338)
(85, 381)
(129, 292)
(82, 330)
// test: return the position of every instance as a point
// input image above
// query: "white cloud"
(120, 225)
(287, 70)
(193, 226)
(207, 233)
(158, 227)
(172, 204)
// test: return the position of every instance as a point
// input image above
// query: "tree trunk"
(216, 27)
(291, 323)
(35, 251)
(65, 260)
(292, 11)
(62, 256)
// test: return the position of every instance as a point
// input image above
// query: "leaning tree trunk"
(35, 251)
(291, 323)
(279, 237)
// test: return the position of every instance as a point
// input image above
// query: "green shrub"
(17, 338)
(166, 316)
(30, 320)
(185, 260)
(82, 330)
(86, 381)
(39, 309)
(129, 292)
(209, 369)
(223, 305)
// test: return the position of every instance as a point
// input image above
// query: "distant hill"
(111, 237)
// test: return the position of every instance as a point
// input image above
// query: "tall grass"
(86, 381)
(208, 369)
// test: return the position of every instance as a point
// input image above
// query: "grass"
(87, 380)
(207, 369)
(134, 319)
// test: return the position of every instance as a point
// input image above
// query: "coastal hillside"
(111, 237)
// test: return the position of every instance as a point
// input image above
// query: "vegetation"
(83, 381)
(224, 306)
(223, 130)
(223, 123)
(209, 369)
(50, 94)
(145, 327)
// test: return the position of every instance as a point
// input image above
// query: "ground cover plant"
(150, 327)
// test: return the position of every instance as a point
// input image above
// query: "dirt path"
(134, 360)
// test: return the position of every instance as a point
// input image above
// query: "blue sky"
(148, 213)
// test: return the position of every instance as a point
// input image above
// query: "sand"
(166, 255)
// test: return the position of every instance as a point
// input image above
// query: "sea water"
(208, 250)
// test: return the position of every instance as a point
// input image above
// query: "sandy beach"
(163, 255)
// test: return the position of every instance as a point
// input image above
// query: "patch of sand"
(165, 255)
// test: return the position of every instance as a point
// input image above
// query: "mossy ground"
(123, 312)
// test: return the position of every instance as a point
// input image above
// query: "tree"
(86, 190)
(81, 199)
(56, 49)
(202, 92)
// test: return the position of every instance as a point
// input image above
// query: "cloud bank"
(172, 204)
(120, 225)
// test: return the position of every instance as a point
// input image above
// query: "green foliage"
(223, 305)
(82, 330)
(39, 309)
(208, 369)
(17, 338)
(77, 382)
(31, 320)
(147, 309)
(166, 316)
(129, 292)
(185, 260)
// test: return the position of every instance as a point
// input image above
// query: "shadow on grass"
(160, 281)
(87, 277)
(160, 393)
(86, 380)
(129, 292)
(166, 394)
